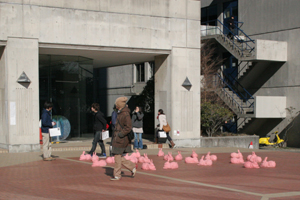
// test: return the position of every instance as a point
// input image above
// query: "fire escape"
(256, 61)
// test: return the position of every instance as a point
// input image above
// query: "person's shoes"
(53, 156)
(115, 178)
(172, 144)
(133, 171)
(102, 155)
(48, 159)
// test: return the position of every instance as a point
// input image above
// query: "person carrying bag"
(164, 126)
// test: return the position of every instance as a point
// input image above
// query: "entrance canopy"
(104, 56)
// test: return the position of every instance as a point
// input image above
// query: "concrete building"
(49, 50)
(263, 59)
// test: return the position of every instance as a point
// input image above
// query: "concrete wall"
(3, 102)
(180, 105)
(113, 83)
(21, 101)
(277, 20)
(158, 24)
(270, 107)
(231, 141)
(125, 24)
(271, 50)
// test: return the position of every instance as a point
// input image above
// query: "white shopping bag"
(105, 135)
(54, 132)
(162, 134)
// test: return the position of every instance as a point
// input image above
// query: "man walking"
(99, 127)
(121, 144)
(46, 124)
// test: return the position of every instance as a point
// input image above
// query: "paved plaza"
(26, 176)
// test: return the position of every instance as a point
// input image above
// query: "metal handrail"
(234, 92)
(232, 97)
(248, 47)
(245, 98)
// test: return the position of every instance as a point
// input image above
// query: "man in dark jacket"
(99, 127)
(231, 27)
(46, 124)
(121, 144)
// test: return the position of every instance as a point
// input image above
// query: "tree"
(210, 64)
(213, 116)
(146, 98)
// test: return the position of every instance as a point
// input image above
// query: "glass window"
(140, 72)
(209, 15)
(67, 81)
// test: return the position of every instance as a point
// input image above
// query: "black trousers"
(97, 136)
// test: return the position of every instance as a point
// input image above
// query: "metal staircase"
(252, 69)
(241, 46)
(240, 102)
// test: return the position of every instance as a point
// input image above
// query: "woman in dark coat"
(137, 127)
(121, 143)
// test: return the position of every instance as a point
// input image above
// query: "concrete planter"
(230, 141)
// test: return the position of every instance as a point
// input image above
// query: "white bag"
(104, 135)
(54, 132)
(162, 134)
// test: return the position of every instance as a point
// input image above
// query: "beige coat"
(162, 121)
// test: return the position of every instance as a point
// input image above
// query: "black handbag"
(130, 135)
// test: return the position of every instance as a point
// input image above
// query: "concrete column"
(19, 101)
(181, 104)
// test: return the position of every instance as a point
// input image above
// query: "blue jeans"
(138, 142)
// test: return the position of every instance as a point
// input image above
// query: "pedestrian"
(121, 144)
(137, 127)
(231, 27)
(98, 128)
(46, 124)
(113, 125)
(163, 122)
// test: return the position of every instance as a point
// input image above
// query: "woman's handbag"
(167, 128)
(162, 134)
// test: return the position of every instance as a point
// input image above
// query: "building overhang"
(104, 56)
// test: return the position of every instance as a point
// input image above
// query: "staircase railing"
(243, 45)
(244, 94)
(239, 69)
(222, 83)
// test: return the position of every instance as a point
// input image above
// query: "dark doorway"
(67, 81)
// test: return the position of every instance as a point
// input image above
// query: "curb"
(87, 148)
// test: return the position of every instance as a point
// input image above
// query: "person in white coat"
(163, 122)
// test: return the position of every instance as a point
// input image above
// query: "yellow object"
(264, 141)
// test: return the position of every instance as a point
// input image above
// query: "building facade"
(269, 71)
(50, 50)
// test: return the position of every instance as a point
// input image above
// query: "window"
(209, 15)
(140, 72)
